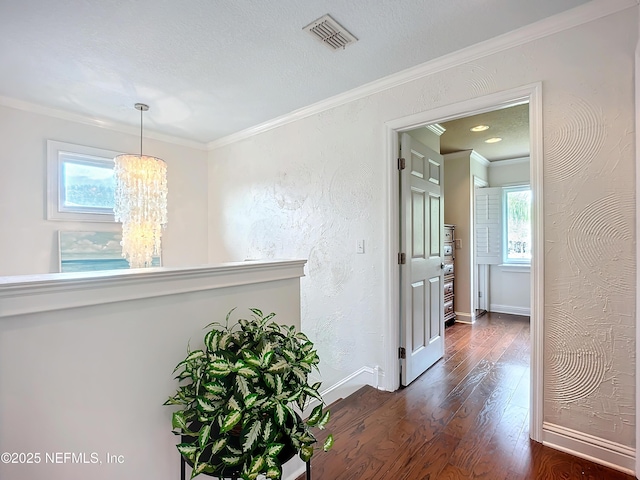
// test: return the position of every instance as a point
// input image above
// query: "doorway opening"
(530, 95)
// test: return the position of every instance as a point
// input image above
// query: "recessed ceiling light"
(479, 128)
(493, 140)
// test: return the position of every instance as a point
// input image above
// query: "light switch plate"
(360, 246)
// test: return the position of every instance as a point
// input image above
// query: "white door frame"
(391, 278)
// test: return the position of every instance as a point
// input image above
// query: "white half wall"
(93, 379)
(313, 187)
(29, 241)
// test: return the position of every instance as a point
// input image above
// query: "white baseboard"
(465, 317)
(341, 389)
(350, 384)
(589, 447)
(510, 309)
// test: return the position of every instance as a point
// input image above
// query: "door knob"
(441, 266)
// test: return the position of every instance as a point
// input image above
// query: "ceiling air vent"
(330, 32)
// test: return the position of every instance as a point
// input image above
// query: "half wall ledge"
(24, 294)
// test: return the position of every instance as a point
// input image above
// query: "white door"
(421, 275)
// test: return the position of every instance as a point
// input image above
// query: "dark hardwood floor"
(466, 417)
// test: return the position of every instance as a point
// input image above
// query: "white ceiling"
(511, 124)
(210, 68)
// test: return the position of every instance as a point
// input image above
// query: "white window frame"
(57, 152)
(510, 262)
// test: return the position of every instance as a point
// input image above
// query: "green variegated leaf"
(257, 312)
(274, 449)
(269, 317)
(267, 431)
(324, 420)
(250, 400)
(270, 380)
(218, 445)
(223, 341)
(307, 347)
(279, 385)
(295, 396)
(178, 420)
(316, 415)
(308, 438)
(302, 336)
(211, 340)
(187, 449)
(251, 436)
(306, 367)
(328, 443)
(193, 355)
(274, 472)
(234, 404)
(257, 464)
(313, 393)
(279, 367)
(235, 451)
(219, 367)
(231, 460)
(311, 357)
(267, 356)
(242, 386)
(279, 414)
(248, 372)
(302, 401)
(215, 388)
(306, 452)
(289, 355)
(251, 358)
(316, 386)
(231, 420)
(300, 373)
(199, 468)
(261, 400)
(206, 406)
(181, 364)
(203, 437)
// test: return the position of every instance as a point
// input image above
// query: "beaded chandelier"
(140, 203)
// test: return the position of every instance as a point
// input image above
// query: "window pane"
(87, 186)
(519, 225)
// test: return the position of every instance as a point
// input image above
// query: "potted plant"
(242, 396)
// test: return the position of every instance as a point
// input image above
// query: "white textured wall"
(509, 289)
(312, 187)
(505, 173)
(29, 242)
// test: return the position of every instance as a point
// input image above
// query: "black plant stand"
(183, 470)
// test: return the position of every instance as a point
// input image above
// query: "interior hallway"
(466, 417)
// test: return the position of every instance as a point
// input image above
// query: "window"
(80, 184)
(517, 225)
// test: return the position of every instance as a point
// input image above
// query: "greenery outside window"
(517, 225)
(80, 185)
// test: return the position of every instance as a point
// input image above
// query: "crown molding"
(436, 128)
(95, 122)
(563, 21)
(480, 159)
(509, 161)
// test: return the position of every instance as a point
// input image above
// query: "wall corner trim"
(598, 450)
(563, 21)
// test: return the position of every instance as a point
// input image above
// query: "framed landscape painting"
(91, 251)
